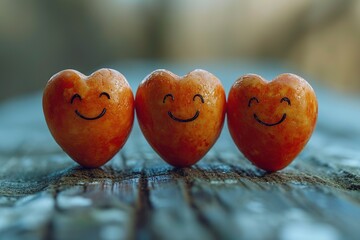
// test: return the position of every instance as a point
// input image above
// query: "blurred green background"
(39, 38)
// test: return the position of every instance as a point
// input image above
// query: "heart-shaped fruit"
(89, 117)
(271, 122)
(181, 117)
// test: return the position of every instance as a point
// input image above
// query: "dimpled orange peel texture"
(271, 122)
(181, 117)
(90, 117)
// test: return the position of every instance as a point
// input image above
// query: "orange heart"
(181, 117)
(89, 117)
(271, 122)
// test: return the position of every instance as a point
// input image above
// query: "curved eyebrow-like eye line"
(75, 96)
(105, 94)
(168, 95)
(285, 99)
(252, 99)
(198, 95)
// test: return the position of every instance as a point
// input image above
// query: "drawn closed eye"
(168, 95)
(74, 97)
(104, 94)
(252, 100)
(199, 96)
(285, 99)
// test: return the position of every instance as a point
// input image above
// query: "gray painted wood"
(45, 195)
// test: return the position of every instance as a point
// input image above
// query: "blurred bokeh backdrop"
(39, 38)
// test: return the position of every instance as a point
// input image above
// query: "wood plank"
(45, 195)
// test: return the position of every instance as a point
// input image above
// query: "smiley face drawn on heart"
(181, 116)
(271, 121)
(169, 95)
(255, 99)
(77, 112)
(90, 117)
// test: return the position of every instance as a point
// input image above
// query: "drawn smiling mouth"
(184, 120)
(270, 124)
(91, 118)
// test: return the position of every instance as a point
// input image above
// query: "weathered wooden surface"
(44, 195)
